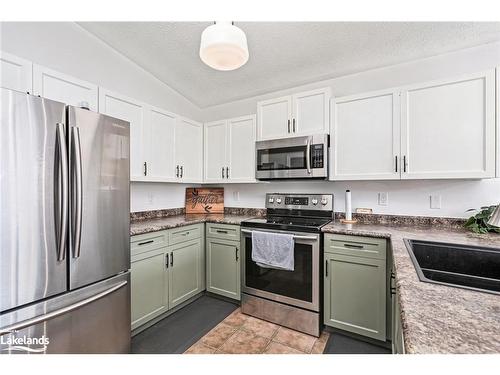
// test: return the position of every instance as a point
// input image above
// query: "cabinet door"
(64, 88)
(355, 294)
(15, 73)
(274, 118)
(311, 112)
(149, 286)
(448, 128)
(242, 149)
(184, 274)
(189, 146)
(223, 267)
(366, 137)
(127, 109)
(160, 136)
(398, 343)
(216, 144)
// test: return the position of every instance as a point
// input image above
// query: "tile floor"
(243, 334)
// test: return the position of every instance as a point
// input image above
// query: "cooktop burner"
(295, 212)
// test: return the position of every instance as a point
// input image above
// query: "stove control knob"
(278, 200)
(271, 200)
(324, 201)
(314, 201)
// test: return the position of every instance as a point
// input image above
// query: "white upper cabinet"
(130, 110)
(15, 73)
(241, 149)
(189, 150)
(216, 145)
(448, 128)
(274, 117)
(301, 114)
(63, 88)
(365, 137)
(311, 112)
(230, 150)
(160, 136)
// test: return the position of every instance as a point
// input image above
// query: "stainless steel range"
(288, 298)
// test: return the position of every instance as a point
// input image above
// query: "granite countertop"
(155, 224)
(437, 318)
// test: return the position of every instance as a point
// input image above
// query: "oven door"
(299, 287)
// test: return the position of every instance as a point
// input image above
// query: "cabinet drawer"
(223, 231)
(183, 234)
(366, 247)
(148, 241)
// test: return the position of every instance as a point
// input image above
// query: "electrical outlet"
(236, 196)
(383, 199)
(435, 201)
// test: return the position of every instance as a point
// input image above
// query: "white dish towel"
(273, 250)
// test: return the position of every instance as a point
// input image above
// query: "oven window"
(281, 158)
(295, 284)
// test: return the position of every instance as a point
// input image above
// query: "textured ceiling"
(282, 54)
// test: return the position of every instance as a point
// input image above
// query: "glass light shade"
(223, 46)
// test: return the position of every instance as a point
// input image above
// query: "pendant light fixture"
(223, 46)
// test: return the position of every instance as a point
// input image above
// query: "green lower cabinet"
(184, 272)
(355, 294)
(398, 346)
(149, 286)
(223, 267)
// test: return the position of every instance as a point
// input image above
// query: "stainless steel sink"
(469, 267)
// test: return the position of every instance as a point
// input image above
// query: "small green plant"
(479, 222)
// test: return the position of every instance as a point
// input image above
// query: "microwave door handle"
(308, 155)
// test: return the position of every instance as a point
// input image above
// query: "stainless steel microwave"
(298, 157)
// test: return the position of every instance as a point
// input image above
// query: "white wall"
(405, 197)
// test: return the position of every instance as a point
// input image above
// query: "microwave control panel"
(317, 156)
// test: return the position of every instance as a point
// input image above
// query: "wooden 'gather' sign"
(204, 200)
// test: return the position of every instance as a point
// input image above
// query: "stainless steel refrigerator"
(64, 228)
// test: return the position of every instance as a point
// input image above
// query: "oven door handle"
(295, 237)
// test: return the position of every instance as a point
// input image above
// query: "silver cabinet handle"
(222, 172)
(76, 190)
(177, 171)
(62, 200)
(404, 164)
(288, 125)
(308, 155)
(166, 260)
(227, 172)
(353, 246)
(61, 311)
(236, 253)
(326, 268)
(145, 168)
(396, 158)
(145, 242)
(293, 127)
(221, 231)
(172, 259)
(182, 171)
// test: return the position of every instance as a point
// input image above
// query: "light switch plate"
(383, 199)
(435, 201)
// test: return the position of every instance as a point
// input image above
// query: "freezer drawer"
(95, 319)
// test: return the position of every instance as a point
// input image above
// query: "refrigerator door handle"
(62, 194)
(77, 198)
(61, 311)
